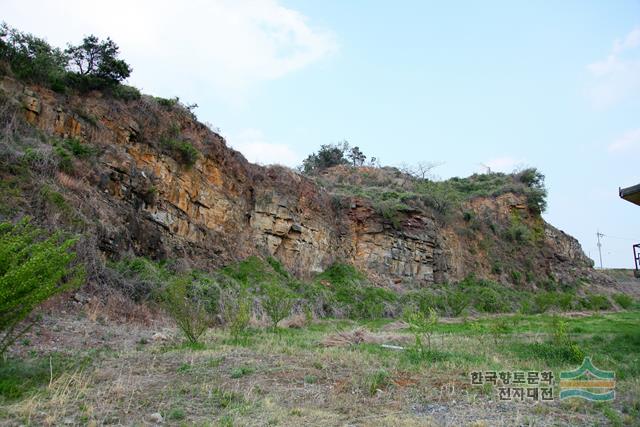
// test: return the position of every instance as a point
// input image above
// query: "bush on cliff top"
(391, 191)
(91, 65)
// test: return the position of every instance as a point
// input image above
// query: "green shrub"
(252, 271)
(238, 313)
(423, 300)
(32, 58)
(91, 65)
(185, 152)
(77, 148)
(341, 274)
(373, 301)
(125, 93)
(595, 302)
(278, 267)
(500, 326)
(390, 210)
(33, 267)
(187, 308)
(65, 160)
(565, 301)
(33, 157)
(518, 232)
(496, 267)
(623, 300)
(176, 414)
(457, 302)
(67, 149)
(488, 296)
(168, 103)
(277, 302)
(141, 279)
(516, 277)
(544, 301)
(207, 290)
(54, 198)
(490, 301)
(327, 156)
(421, 325)
(349, 291)
(565, 348)
(242, 371)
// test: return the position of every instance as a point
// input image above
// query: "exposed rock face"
(411, 251)
(222, 208)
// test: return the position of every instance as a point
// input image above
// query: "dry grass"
(117, 308)
(295, 321)
(343, 339)
(291, 377)
(54, 404)
(360, 336)
(72, 183)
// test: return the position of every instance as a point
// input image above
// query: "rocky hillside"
(146, 178)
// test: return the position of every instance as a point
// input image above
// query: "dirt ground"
(140, 373)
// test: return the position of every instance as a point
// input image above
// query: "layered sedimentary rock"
(221, 208)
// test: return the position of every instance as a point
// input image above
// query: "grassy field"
(76, 369)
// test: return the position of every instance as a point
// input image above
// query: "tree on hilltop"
(356, 156)
(95, 63)
(328, 155)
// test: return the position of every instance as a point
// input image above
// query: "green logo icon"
(588, 382)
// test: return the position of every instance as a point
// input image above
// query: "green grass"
(226, 399)
(623, 300)
(20, 377)
(182, 151)
(378, 380)
(242, 371)
(391, 192)
(176, 414)
(613, 340)
(238, 382)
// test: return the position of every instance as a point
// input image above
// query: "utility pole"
(599, 234)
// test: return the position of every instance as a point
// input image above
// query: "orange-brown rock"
(223, 208)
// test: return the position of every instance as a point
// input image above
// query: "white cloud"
(632, 40)
(628, 141)
(186, 48)
(618, 75)
(502, 164)
(254, 146)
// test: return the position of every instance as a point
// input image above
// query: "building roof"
(631, 194)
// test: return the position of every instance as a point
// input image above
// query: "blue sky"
(549, 84)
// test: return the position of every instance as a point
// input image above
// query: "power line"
(619, 238)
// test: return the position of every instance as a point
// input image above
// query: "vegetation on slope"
(90, 65)
(396, 189)
(342, 291)
(33, 267)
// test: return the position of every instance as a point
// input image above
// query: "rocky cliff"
(140, 196)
